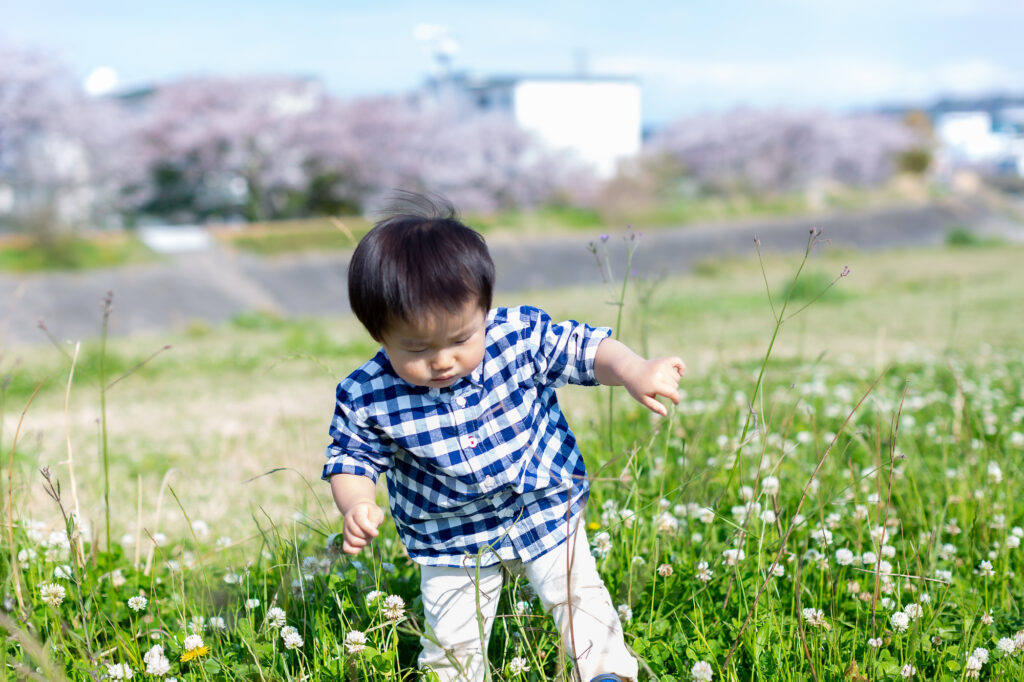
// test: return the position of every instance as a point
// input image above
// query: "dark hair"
(418, 260)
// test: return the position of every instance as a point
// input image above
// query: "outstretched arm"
(616, 365)
(356, 497)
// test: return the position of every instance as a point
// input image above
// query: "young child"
(459, 410)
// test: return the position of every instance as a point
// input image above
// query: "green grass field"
(217, 516)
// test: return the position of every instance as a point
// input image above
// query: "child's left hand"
(657, 377)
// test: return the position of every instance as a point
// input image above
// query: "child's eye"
(459, 342)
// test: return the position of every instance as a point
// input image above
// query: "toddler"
(458, 409)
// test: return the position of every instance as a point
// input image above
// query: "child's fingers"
(653, 405)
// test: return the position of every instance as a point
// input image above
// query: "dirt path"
(216, 284)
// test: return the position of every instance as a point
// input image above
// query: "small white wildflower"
(223, 541)
(733, 556)
(768, 516)
(62, 572)
(251, 604)
(704, 572)
(218, 623)
(822, 536)
(156, 663)
(888, 551)
(602, 545)
(518, 666)
(355, 641)
(137, 603)
(197, 624)
(844, 557)
(908, 671)
(52, 593)
(985, 569)
(120, 671)
(625, 613)
(770, 485)
(701, 672)
(973, 667)
(981, 654)
(665, 570)
(913, 611)
(522, 606)
(779, 570)
(706, 515)
(815, 618)
(875, 642)
(291, 637)
(900, 621)
(193, 642)
(995, 474)
(1006, 646)
(394, 607)
(276, 617)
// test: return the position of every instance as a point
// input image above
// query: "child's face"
(438, 350)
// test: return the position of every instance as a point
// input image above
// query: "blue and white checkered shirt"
(488, 462)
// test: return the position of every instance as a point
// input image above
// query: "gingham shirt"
(486, 467)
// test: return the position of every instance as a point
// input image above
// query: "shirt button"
(468, 442)
(460, 401)
(487, 483)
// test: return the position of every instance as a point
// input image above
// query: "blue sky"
(690, 56)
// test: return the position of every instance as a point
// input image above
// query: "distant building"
(597, 118)
(984, 133)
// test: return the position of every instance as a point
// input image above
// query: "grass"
(195, 431)
(73, 253)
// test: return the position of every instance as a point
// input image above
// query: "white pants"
(460, 610)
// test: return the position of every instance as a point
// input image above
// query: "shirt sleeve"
(357, 447)
(562, 352)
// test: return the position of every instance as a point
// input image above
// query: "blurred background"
(127, 132)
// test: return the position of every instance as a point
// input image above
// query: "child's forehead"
(435, 323)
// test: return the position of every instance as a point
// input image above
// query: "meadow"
(834, 497)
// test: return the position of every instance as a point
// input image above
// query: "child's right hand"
(361, 523)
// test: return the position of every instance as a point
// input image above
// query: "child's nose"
(443, 359)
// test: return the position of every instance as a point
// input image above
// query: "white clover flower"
(704, 573)
(602, 545)
(156, 663)
(1018, 640)
(779, 570)
(197, 624)
(995, 474)
(638, 560)
(986, 618)
(120, 671)
(701, 672)
(628, 517)
(908, 671)
(291, 637)
(913, 611)
(521, 606)
(981, 654)
(869, 559)
(193, 642)
(223, 541)
(137, 603)
(625, 613)
(985, 569)
(666, 523)
(733, 556)
(1012, 542)
(899, 621)
(1006, 646)
(62, 572)
(218, 623)
(665, 570)
(251, 604)
(844, 557)
(276, 617)
(875, 642)
(706, 515)
(52, 593)
(973, 666)
(888, 551)
(355, 641)
(394, 607)
(768, 516)
(887, 603)
(770, 485)
(518, 666)
(233, 578)
(815, 618)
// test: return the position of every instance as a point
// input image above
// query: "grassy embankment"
(220, 408)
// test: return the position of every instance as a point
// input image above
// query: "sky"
(689, 56)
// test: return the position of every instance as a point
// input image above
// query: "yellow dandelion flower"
(593, 525)
(194, 653)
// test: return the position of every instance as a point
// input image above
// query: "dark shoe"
(608, 677)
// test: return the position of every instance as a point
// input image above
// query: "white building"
(596, 118)
(980, 137)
